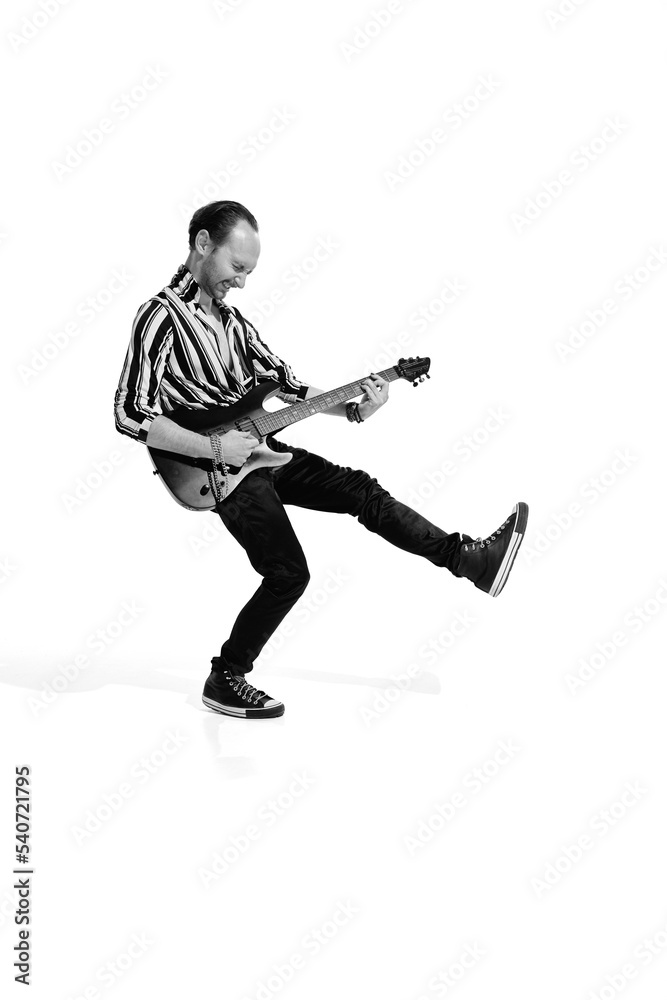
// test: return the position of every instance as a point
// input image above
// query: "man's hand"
(166, 434)
(375, 396)
(237, 447)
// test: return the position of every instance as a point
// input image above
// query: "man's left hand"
(375, 396)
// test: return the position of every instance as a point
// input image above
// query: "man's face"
(228, 265)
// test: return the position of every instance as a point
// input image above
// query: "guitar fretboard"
(299, 411)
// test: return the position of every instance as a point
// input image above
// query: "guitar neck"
(272, 422)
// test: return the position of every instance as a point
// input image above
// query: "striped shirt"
(177, 357)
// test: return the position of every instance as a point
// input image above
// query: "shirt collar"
(185, 286)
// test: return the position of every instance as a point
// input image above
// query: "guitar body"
(189, 484)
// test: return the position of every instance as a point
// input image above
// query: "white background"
(88, 530)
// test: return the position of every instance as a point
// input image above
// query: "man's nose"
(239, 280)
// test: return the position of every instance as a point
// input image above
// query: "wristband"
(352, 413)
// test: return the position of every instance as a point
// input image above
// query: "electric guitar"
(186, 478)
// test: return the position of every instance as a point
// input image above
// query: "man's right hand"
(237, 447)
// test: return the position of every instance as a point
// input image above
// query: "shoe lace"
(246, 691)
(491, 538)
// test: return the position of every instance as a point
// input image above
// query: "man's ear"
(202, 242)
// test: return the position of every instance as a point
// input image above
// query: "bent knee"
(290, 583)
(359, 490)
(302, 580)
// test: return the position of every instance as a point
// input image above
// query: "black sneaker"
(231, 694)
(488, 561)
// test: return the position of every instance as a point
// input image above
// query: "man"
(188, 348)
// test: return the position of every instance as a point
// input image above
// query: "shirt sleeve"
(269, 365)
(136, 401)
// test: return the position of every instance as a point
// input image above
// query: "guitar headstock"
(414, 370)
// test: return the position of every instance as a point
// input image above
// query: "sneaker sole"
(245, 713)
(521, 510)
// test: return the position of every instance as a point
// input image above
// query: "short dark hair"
(218, 218)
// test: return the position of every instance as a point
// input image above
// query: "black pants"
(255, 515)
